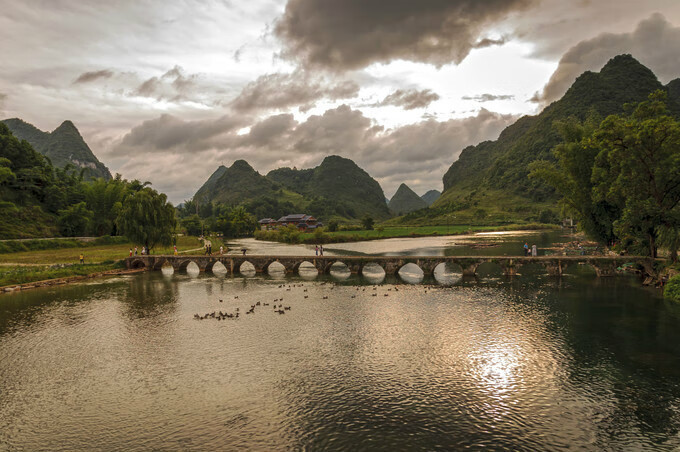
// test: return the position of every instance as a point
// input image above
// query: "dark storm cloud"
(655, 43)
(168, 132)
(486, 97)
(355, 33)
(87, 77)
(278, 91)
(410, 99)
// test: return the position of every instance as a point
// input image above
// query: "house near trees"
(302, 221)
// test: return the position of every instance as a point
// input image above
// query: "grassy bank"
(22, 275)
(17, 246)
(391, 232)
(94, 254)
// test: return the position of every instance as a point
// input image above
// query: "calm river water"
(356, 363)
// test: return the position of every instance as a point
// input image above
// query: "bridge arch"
(274, 267)
(411, 273)
(374, 272)
(448, 273)
(489, 269)
(246, 268)
(579, 269)
(183, 265)
(534, 269)
(306, 269)
(218, 268)
(138, 263)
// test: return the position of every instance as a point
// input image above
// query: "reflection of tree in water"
(624, 347)
(151, 294)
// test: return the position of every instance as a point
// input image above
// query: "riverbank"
(380, 233)
(31, 278)
(57, 260)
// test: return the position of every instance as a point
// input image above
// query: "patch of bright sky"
(499, 70)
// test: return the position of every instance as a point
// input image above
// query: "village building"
(302, 221)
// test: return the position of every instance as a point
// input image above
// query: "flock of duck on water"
(278, 307)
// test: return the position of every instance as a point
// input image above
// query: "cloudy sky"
(166, 91)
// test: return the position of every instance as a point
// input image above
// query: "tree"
(147, 218)
(242, 222)
(332, 226)
(192, 225)
(638, 169)
(105, 199)
(74, 221)
(571, 175)
(367, 222)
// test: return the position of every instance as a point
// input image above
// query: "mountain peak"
(241, 165)
(66, 126)
(406, 200)
(626, 66)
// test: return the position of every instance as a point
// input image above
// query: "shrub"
(672, 289)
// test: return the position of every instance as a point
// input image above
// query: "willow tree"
(146, 217)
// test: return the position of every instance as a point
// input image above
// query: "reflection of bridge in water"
(509, 265)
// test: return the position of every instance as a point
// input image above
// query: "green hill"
(62, 146)
(337, 184)
(405, 201)
(489, 182)
(431, 196)
(237, 184)
(336, 189)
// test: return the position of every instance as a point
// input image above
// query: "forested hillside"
(490, 181)
(336, 189)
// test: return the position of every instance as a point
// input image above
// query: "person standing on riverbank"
(526, 249)
(174, 249)
(534, 250)
(82, 258)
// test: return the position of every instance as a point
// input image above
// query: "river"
(356, 363)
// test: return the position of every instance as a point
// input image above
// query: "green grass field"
(11, 275)
(93, 254)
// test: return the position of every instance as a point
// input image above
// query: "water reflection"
(528, 363)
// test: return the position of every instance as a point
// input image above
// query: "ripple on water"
(354, 364)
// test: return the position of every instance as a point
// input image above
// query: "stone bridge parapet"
(510, 265)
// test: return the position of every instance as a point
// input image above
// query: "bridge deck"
(603, 265)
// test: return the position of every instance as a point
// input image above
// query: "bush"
(672, 289)
(332, 226)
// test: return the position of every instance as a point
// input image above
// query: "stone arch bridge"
(510, 265)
